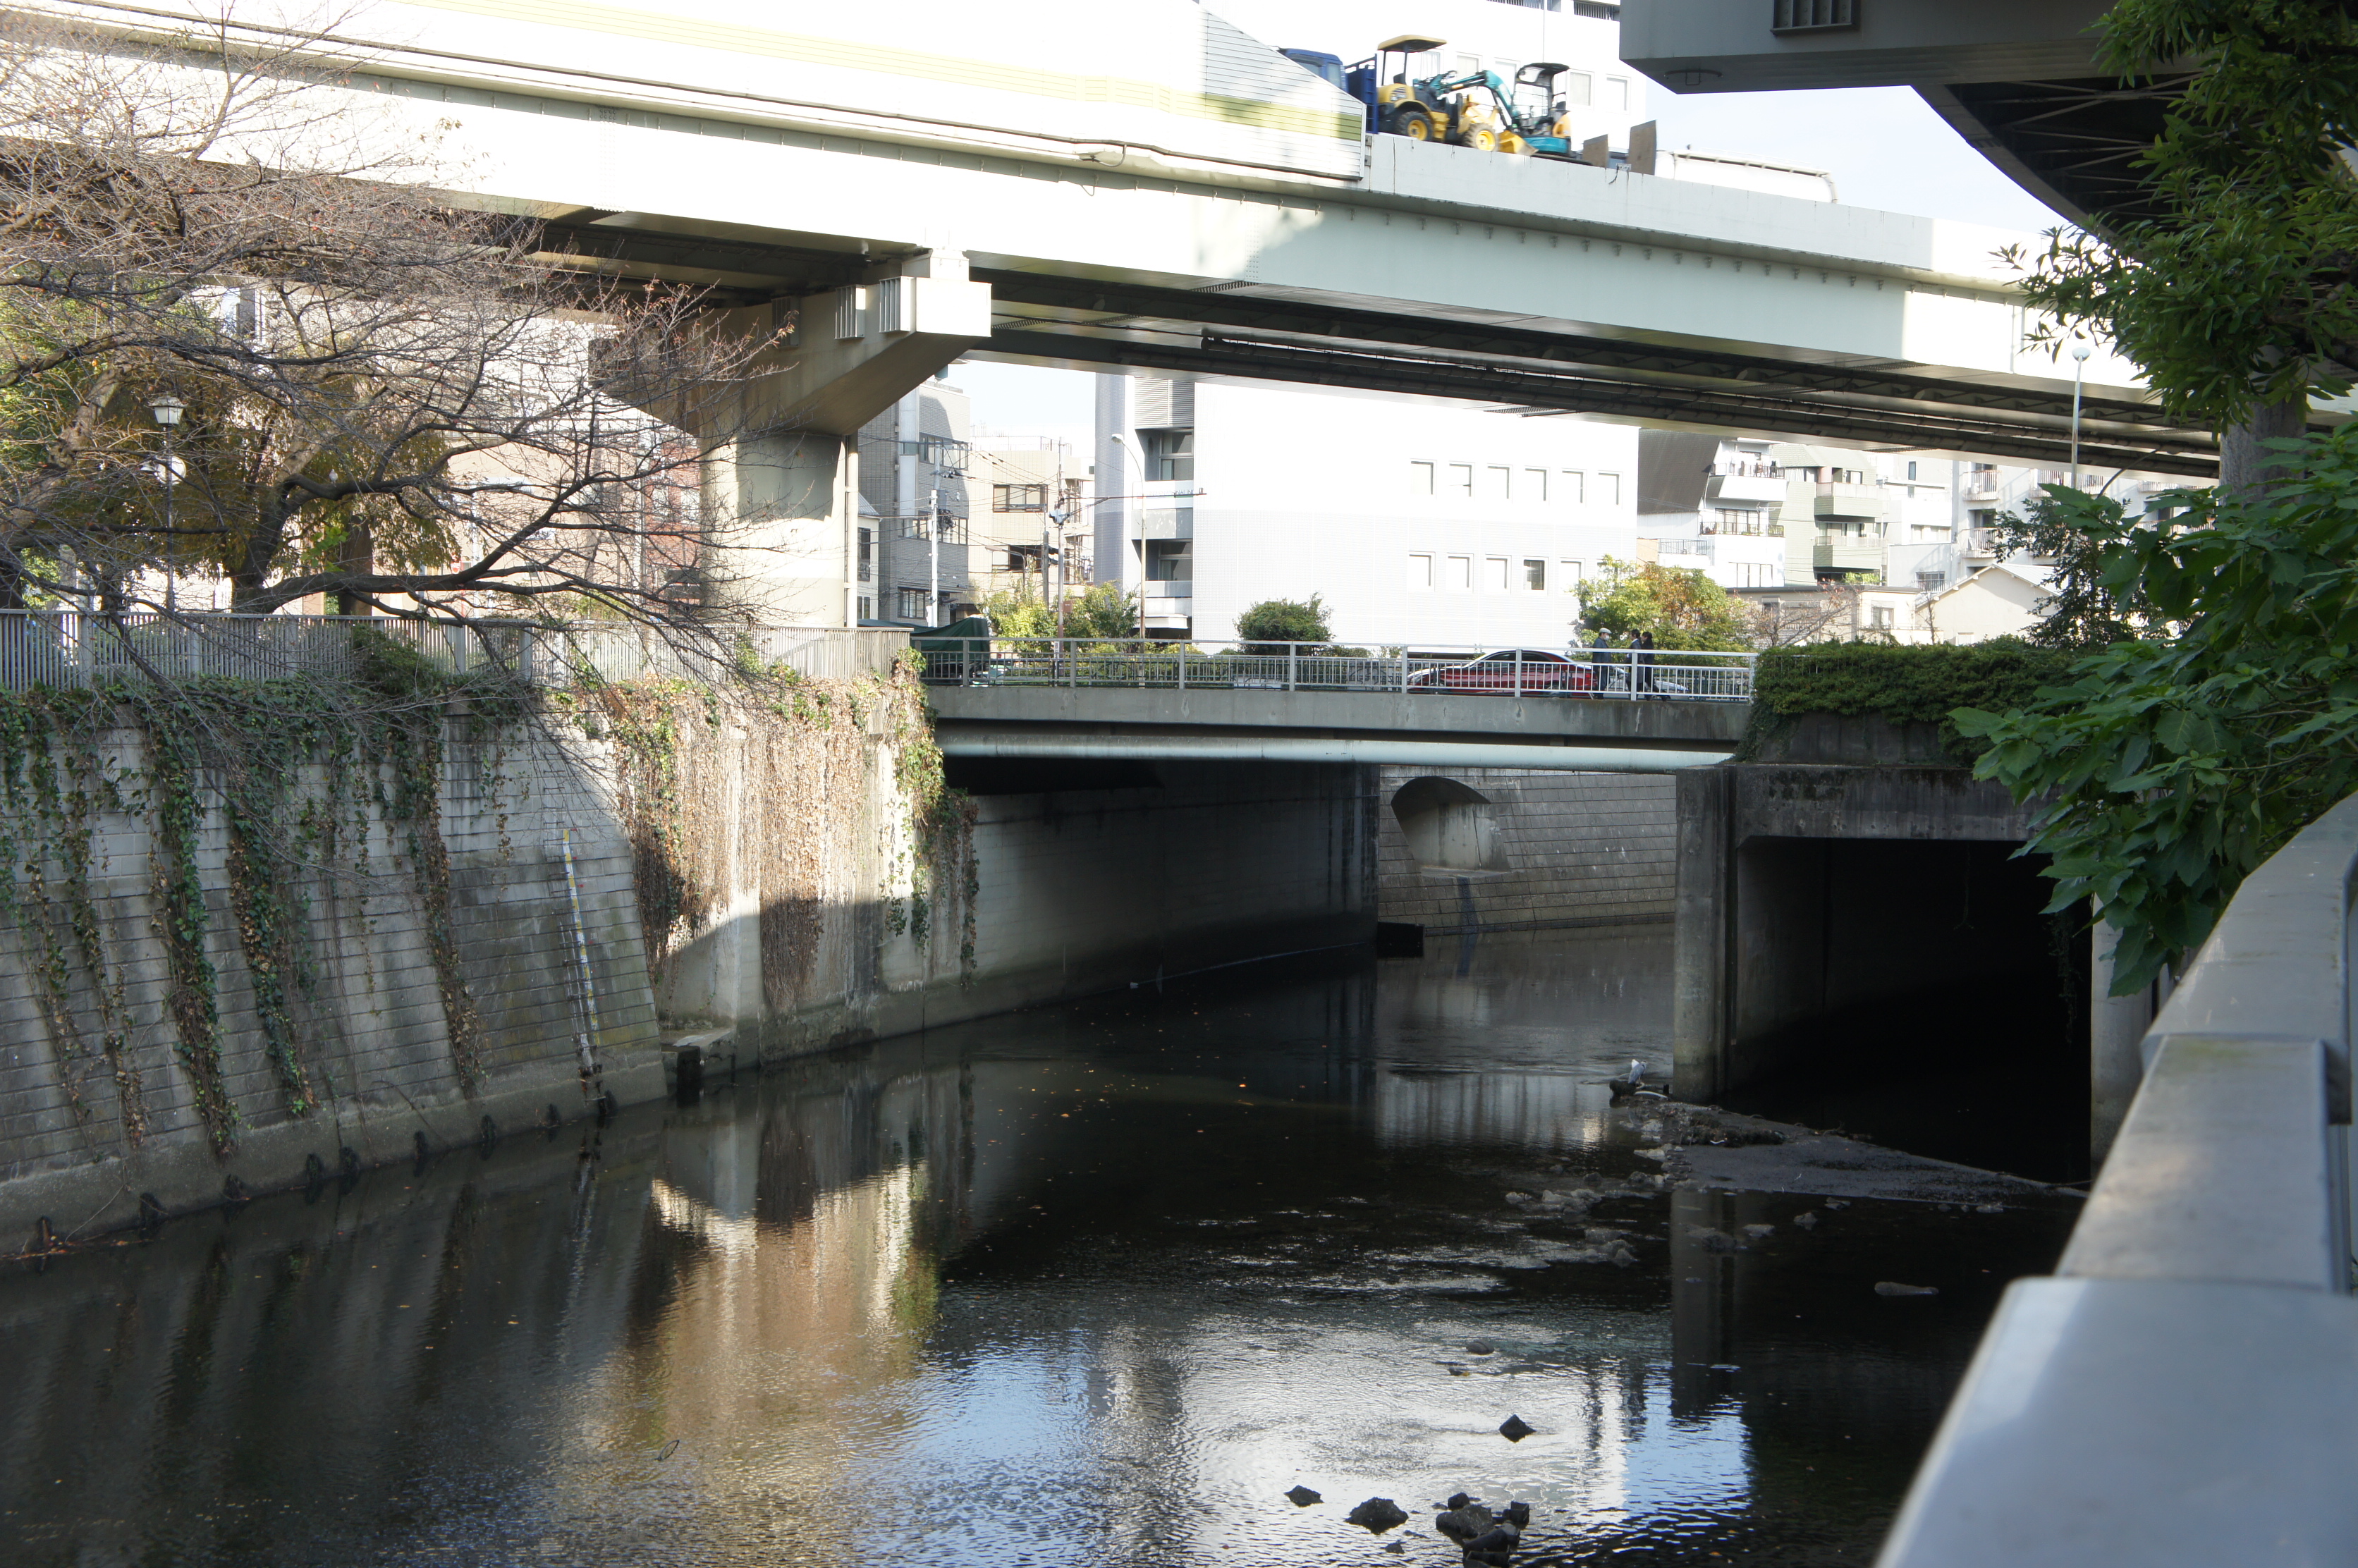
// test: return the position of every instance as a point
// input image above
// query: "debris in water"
(1480, 1348)
(1894, 1288)
(1377, 1515)
(1514, 1429)
(1807, 1219)
(1758, 1232)
(1713, 1240)
(1838, 1203)
(1302, 1497)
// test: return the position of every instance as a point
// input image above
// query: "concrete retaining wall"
(84, 1135)
(1571, 849)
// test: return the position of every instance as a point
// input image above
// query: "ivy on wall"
(247, 750)
(1903, 683)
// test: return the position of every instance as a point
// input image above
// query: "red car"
(1508, 672)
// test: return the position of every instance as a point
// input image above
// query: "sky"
(1884, 146)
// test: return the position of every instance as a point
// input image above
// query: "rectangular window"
(1535, 484)
(1616, 93)
(1501, 484)
(1461, 574)
(1019, 498)
(867, 554)
(1575, 86)
(1574, 488)
(911, 603)
(1911, 470)
(1535, 576)
(1461, 481)
(1467, 64)
(1608, 489)
(868, 610)
(1420, 572)
(1932, 582)
(1167, 560)
(1568, 574)
(1420, 479)
(1879, 617)
(1494, 576)
(1170, 454)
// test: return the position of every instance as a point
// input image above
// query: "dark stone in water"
(1302, 1497)
(1464, 1522)
(1457, 1500)
(1514, 1429)
(1377, 1515)
(1494, 1547)
(1517, 1514)
(1480, 1348)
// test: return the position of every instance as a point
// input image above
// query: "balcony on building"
(1848, 500)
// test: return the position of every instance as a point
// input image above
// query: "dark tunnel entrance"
(1913, 991)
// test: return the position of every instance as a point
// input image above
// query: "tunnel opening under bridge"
(1914, 992)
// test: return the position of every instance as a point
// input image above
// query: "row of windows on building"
(1491, 574)
(1504, 482)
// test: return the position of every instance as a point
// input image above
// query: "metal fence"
(2183, 1391)
(1612, 674)
(69, 648)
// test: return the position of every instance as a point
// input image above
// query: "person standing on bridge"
(1644, 661)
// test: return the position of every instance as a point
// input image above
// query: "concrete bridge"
(906, 185)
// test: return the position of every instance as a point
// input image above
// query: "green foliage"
(1102, 613)
(2246, 292)
(1912, 684)
(1276, 621)
(2076, 532)
(2170, 769)
(1681, 609)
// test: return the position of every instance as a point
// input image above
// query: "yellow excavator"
(1472, 109)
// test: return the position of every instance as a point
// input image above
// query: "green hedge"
(1905, 685)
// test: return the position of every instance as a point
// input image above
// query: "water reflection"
(1096, 1283)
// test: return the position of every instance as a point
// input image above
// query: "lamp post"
(2079, 369)
(167, 410)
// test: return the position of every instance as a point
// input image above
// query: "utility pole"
(2079, 369)
(934, 555)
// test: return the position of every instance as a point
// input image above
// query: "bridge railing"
(2184, 1389)
(1611, 673)
(69, 648)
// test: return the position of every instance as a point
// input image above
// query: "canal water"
(1091, 1284)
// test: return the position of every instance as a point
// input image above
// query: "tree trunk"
(2246, 467)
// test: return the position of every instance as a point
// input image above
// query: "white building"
(1418, 521)
(913, 509)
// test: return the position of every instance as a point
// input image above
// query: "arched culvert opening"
(1449, 827)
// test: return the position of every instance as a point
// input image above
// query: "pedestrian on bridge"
(1644, 645)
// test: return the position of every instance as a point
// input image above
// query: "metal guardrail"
(1615, 673)
(2184, 1389)
(69, 648)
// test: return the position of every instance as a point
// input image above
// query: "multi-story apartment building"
(1031, 529)
(915, 510)
(1417, 522)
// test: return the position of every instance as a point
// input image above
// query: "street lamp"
(167, 410)
(2079, 369)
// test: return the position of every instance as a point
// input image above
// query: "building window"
(868, 610)
(1535, 576)
(1419, 571)
(1461, 574)
(1575, 486)
(1608, 489)
(1494, 574)
(1577, 89)
(1569, 573)
(1911, 470)
(1019, 498)
(1932, 582)
(911, 603)
(1616, 93)
(1535, 484)
(1170, 454)
(1470, 64)
(1420, 479)
(1758, 574)
(1879, 617)
(1735, 520)
(868, 554)
(1461, 481)
(1502, 483)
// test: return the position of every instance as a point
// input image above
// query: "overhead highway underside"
(1249, 331)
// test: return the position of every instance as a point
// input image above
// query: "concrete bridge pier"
(780, 482)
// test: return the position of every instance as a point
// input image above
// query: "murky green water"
(1090, 1285)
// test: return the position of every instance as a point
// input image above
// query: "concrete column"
(2116, 1031)
(1702, 977)
(781, 516)
(1117, 479)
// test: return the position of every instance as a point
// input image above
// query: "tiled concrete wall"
(1580, 849)
(84, 1129)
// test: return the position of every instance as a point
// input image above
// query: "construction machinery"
(1474, 109)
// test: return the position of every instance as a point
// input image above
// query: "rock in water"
(1514, 1429)
(1479, 1347)
(1464, 1522)
(1894, 1288)
(1456, 1500)
(1302, 1497)
(1494, 1547)
(1377, 1515)
(1518, 1514)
